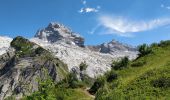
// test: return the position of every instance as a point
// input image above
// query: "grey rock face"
(56, 32)
(19, 74)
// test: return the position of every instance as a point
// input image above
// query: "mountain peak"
(56, 32)
(56, 25)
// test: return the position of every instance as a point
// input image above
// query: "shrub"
(39, 50)
(72, 80)
(144, 50)
(97, 84)
(161, 82)
(83, 66)
(164, 43)
(138, 63)
(45, 91)
(88, 81)
(110, 76)
(154, 45)
(100, 94)
(23, 46)
(123, 63)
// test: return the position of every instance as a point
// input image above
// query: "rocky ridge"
(23, 64)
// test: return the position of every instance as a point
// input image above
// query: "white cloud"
(124, 27)
(91, 10)
(87, 9)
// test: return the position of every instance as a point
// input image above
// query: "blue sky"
(129, 21)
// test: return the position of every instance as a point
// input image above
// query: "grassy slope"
(78, 94)
(136, 82)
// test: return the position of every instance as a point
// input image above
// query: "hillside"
(26, 69)
(147, 77)
(23, 64)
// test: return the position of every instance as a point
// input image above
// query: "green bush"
(83, 66)
(23, 46)
(39, 50)
(101, 92)
(144, 50)
(164, 43)
(72, 80)
(88, 81)
(161, 82)
(138, 63)
(154, 45)
(46, 89)
(110, 76)
(97, 84)
(123, 63)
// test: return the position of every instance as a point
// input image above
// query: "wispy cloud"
(125, 27)
(94, 29)
(87, 9)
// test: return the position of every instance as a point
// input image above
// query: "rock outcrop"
(23, 64)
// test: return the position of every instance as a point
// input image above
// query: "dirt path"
(86, 92)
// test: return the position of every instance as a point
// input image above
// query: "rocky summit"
(56, 32)
(23, 65)
(69, 47)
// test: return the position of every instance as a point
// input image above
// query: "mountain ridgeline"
(69, 47)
